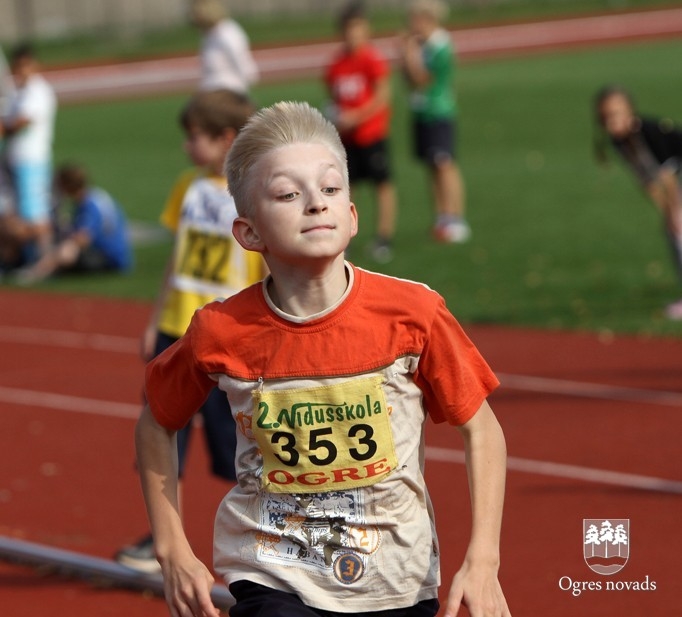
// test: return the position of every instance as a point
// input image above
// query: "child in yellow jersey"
(206, 263)
(331, 372)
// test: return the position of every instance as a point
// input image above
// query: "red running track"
(592, 428)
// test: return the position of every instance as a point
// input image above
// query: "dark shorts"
(220, 429)
(436, 141)
(369, 162)
(255, 600)
(92, 259)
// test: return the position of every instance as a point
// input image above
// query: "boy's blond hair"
(437, 10)
(270, 128)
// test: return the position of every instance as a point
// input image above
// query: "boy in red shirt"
(358, 82)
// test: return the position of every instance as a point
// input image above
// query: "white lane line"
(572, 472)
(447, 455)
(64, 402)
(69, 339)
(584, 389)
(526, 383)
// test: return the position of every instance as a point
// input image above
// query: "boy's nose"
(316, 203)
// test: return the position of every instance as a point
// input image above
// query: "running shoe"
(452, 232)
(380, 251)
(139, 556)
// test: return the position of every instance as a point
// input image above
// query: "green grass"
(557, 242)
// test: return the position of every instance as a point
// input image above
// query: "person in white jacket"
(226, 58)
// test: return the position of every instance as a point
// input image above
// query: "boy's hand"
(478, 588)
(187, 588)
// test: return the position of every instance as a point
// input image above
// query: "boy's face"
(420, 25)
(22, 68)
(356, 33)
(301, 204)
(205, 150)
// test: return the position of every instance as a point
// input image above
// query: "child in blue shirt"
(96, 238)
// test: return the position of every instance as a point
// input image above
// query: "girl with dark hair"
(652, 150)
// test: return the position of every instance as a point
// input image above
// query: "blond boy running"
(331, 372)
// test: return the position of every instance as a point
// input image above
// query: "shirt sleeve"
(378, 67)
(452, 374)
(235, 43)
(87, 219)
(175, 384)
(170, 217)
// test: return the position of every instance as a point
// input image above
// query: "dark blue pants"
(219, 427)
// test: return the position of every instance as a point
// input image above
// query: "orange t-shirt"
(330, 413)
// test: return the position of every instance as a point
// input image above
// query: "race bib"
(323, 439)
(204, 256)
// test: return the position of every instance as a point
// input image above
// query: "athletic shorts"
(435, 141)
(91, 259)
(220, 429)
(370, 162)
(32, 183)
(255, 600)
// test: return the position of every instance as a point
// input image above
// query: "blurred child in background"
(6, 85)
(428, 61)
(226, 59)
(652, 151)
(96, 237)
(27, 128)
(359, 83)
(206, 263)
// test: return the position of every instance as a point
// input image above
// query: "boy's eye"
(287, 196)
(331, 190)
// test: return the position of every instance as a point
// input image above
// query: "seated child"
(96, 238)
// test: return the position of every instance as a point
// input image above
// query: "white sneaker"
(453, 232)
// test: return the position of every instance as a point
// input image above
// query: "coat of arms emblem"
(606, 544)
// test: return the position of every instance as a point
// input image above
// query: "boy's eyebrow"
(286, 172)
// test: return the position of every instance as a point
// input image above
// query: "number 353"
(320, 450)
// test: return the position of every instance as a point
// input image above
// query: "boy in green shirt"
(428, 60)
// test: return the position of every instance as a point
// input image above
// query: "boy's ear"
(354, 220)
(247, 235)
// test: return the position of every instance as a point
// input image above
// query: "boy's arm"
(476, 584)
(413, 64)
(148, 343)
(380, 99)
(187, 582)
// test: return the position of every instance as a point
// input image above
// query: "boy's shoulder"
(242, 307)
(397, 294)
(373, 293)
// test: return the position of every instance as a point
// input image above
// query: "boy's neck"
(304, 292)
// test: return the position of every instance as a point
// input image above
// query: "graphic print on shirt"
(330, 438)
(313, 531)
(350, 88)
